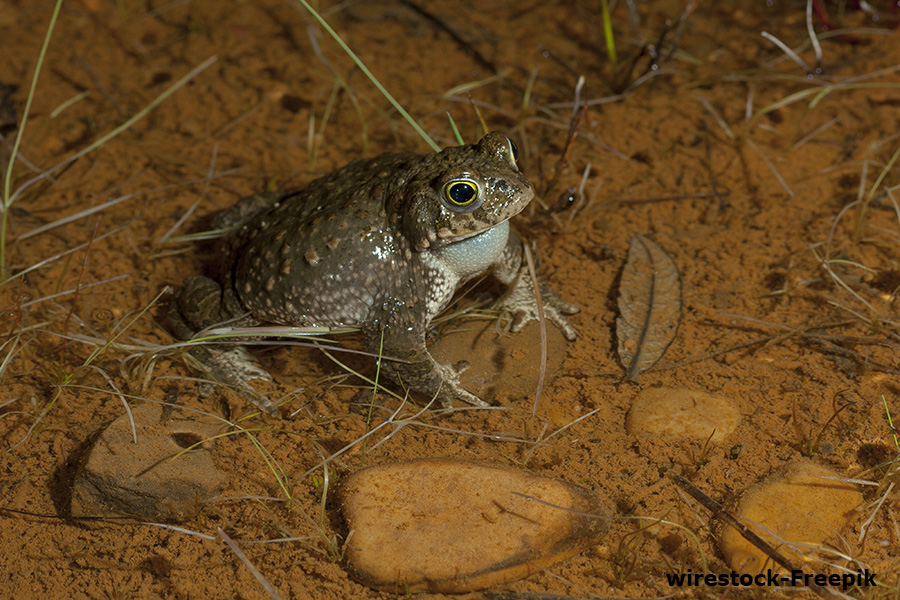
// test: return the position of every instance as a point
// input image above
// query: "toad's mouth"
(446, 235)
(449, 238)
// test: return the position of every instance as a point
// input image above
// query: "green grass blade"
(608, 34)
(7, 178)
(456, 135)
(367, 73)
(890, 421)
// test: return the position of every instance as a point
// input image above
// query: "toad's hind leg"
(198, 306)
(408, 362)
(246, 208)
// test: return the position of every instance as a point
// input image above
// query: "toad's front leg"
(511, 269)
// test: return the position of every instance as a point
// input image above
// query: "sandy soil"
(719, 149)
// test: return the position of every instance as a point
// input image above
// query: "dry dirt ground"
(771, 189)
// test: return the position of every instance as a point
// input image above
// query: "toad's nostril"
(502, 186)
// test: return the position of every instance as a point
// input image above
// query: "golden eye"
(461, 192)
(513, 150)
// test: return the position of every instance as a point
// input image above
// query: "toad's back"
(328, 254)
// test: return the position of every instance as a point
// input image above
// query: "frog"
(381, 245)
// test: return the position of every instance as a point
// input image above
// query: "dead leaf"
(649, 306)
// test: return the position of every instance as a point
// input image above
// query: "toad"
(382, 245)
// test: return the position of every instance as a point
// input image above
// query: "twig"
(574, 126)
(456, 37)
(729, 519)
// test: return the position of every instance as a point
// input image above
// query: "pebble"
(795, 504)
(682, 414)
(453, 526)
(122, 478)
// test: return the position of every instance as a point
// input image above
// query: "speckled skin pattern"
(381, 244)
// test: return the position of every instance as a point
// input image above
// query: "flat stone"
(144, 480)
(682, 414)
(797, 506)
(451, 526)
(507, 363)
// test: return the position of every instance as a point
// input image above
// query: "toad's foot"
(198, 306)
(234, 366)
(434, 380)
(521, 303)
(451, 389)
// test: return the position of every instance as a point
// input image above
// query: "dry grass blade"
(542, 321)
(42, 263)
(649, 306)
(771, 166)
(9, 196)
(790, 53)
(115, 132)
(268, 587)
(71, 218)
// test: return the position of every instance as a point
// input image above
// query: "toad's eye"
(461, 192)
(513, 150)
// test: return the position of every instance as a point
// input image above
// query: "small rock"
(121, 477)
(452, 526)
(680, 413)
(508, 363)
(795, 504)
